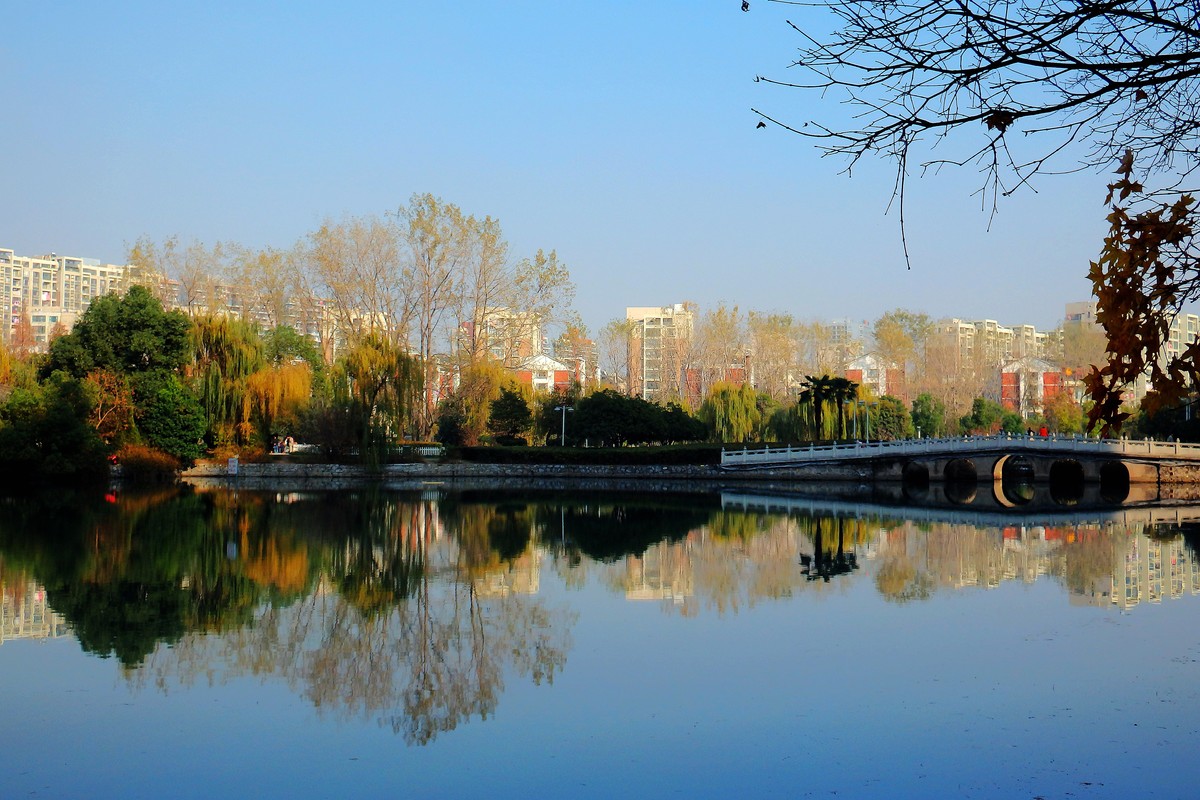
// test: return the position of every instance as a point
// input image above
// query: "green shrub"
(673, 455)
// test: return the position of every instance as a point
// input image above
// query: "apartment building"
(51, 291)
(985, 343)
(659, 343)
(582, 356)
(1028, 383)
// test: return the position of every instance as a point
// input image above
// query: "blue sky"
(618, 133)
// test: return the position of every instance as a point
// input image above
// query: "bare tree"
(1109, 75)
(616, 354)
(481, 287)
(539, 291)
(720, 345)
(200, 272)
(773, 352)
(436, 241)
(356, 263)
(1087, 82)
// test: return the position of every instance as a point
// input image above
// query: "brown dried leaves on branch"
(1148, 269)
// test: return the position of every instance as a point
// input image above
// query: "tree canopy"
(122, 334)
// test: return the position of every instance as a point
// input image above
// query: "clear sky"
(618, 133)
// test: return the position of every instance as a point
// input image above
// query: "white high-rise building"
(659, 343)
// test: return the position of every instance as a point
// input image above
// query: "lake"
(219, 643)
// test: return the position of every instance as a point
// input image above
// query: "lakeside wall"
(282, 475)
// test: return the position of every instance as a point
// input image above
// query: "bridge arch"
(960, 470)
(915, 473)
(1114, 482)
(1066, 478)
(1013, 476)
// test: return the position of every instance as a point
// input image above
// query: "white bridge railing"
(766, 456)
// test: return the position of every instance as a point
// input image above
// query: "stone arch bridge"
(1037, 459)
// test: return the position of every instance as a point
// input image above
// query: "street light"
(562, 438)
(867, 420)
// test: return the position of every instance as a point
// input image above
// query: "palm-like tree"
(827, 389)
(842, 391)
(819, 392)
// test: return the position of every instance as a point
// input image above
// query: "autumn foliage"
(1149, 268)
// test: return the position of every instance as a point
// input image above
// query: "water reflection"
(415, 609)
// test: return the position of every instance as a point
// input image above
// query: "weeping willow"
(383, 390)
(276, 393)
(227, 351)
(478, 387)
(731, 413)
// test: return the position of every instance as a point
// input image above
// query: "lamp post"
(562, 438)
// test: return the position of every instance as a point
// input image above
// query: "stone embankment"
(277, 475)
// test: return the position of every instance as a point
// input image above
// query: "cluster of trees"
(777, 348)
(603, 418)
(133, 373)
(427, 280)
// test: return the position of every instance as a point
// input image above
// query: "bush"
(697, 454)
(141, 464)
(511, 441)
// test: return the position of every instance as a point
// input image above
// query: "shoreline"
(290, 476)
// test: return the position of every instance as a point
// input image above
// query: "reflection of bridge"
(988, 514)
(970, 458)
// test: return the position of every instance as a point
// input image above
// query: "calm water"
(218, 644)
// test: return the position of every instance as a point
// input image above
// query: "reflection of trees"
(423, 666)
(736, 567)
(829, 536)
(741, 558)
(899, 578)
(1090, 559)
(416, 610)
(606, 532)
(131, 573)
(915, 562)
(488, 533)
(404, 624)
(376, 547)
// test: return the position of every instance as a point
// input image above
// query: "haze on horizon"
(618, 134)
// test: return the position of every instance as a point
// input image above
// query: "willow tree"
(479, 386)
(731, 412)
(276, 394)
(226, 352)
(382, 391)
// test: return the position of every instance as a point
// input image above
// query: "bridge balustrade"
(1145, 449)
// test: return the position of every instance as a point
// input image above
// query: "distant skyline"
(618, 134)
